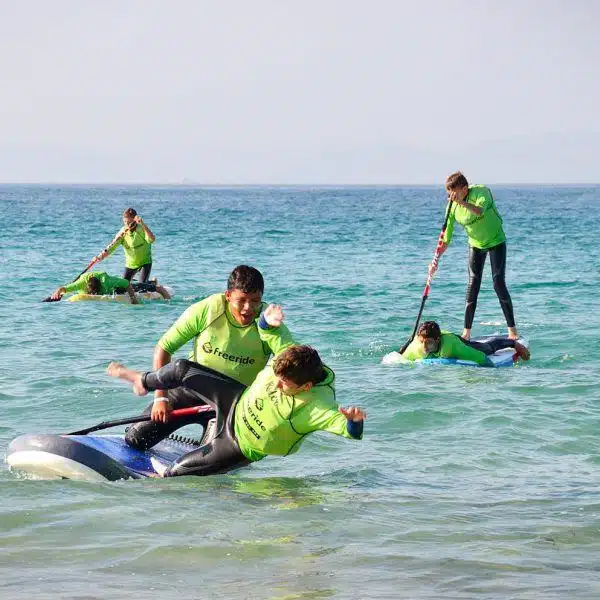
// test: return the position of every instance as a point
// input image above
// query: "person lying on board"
(432, 342)
(233, 332)
(290, 398)
(99, 283)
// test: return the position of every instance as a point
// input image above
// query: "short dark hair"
(456, 180)
(92, 286)
(299, 364)
(246, 279)
(130, 212)
(430, 330)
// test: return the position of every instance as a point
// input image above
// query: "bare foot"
(466, 334)
(522, 351)
(512, 333)
(116, 369)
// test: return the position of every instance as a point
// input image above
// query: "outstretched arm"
(58, 294)
(355, 417)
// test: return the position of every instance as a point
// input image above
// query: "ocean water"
(469, 483)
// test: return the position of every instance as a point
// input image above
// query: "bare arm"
(160, 408)
(147, 231)
(132, 295)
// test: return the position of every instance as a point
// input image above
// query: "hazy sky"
(283, 91)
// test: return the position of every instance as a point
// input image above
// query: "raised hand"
(274, 315)
(353, 413)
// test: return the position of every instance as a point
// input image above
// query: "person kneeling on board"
(290, 398)
(99, 283)
(432, 342)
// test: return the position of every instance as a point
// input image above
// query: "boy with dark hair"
(233, 332)
(288, 400)
(431, 342)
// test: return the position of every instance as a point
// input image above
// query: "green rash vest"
(108, 283)
(221, 343)
(450, 347)
(483, 231)
(136, 244)
(268, 421)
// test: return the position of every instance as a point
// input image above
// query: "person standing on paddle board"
(235, 333)
(432, 342)
(474, 208)
(136, 238)
(289, 399)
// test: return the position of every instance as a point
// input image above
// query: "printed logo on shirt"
(242, 360)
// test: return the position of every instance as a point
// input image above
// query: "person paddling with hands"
(474, 208)
(289, 399)
(97, 283)
(432, 342)
(233, 333)
(136, 238)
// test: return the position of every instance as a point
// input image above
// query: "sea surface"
(469, 483)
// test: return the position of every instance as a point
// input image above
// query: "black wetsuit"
(498, 264)
(191, 384)
(128, 273)
(138, 287)
(491, 346)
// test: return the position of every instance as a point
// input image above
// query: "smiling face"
(244, 306)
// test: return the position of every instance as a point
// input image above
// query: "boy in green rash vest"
(229, 333)
(97, 283)
(136, 238)
(431, 342)
(289, 399)
(474, 208)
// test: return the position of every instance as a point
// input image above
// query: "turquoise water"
(469, 483)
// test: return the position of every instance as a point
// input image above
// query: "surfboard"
(123, 298)
(97, 457)
(501, 358)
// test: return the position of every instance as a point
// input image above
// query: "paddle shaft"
(180, 412)
(434, 262)
(90, 265)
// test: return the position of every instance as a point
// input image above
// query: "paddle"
(436, 256)
(92, 263)
(180, 412)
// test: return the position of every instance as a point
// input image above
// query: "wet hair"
(246, 279)
(299, 364)
(430, 330)
(92, 286)
(130, 213)
(456, 180)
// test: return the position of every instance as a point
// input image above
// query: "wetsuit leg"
(219, 456)
(498, 264)
(143, 287)
(490, 346)
(145, 272)
(189, 384)
(129, 273)
(476, 264)
(147, 434)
